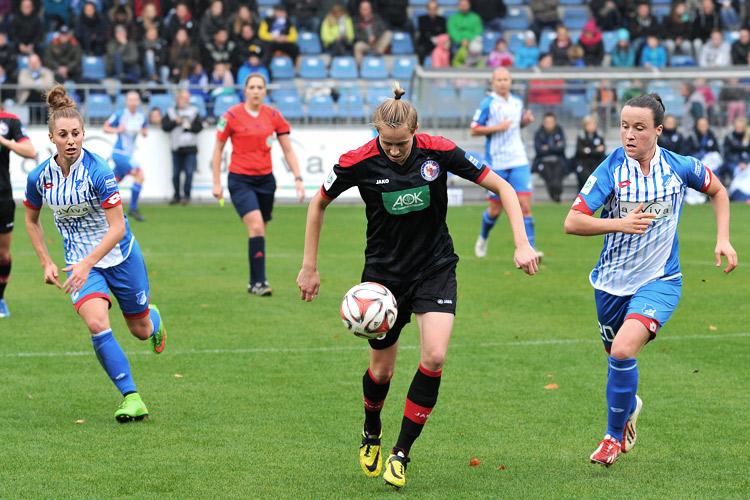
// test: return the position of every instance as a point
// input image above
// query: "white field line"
(288, 350)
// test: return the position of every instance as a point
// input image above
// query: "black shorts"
(435, 292)
(252, 192)
(7, 214)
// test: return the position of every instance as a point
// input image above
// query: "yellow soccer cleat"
(369, 454)
(395, 470)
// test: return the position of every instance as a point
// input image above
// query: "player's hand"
(79, 274)
(217, 191)
(504, 125)
(121, 128)
(723, 247)
(299, 188)
(51, 274)
(527, 117)
(637, 222)
(525, 258)
(308, 281)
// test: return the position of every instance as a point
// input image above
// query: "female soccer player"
(127, 123)
(637, 280)
(402, 176)
(12, 138)
(100, 251)
(251, 183)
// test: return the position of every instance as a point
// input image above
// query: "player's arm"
(477, 129)
(525, 256)
(36, 236)
(583, 224)
(308, 278)
(217, 190)
(110, 129)
(720, 203)
(291, 159)
(23, 148)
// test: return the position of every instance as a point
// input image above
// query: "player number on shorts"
(608, 334)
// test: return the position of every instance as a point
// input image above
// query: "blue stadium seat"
(224, 102)
(575, 105)
(427, 63)
(575, 18)
(267, 3)
(514, 3)
(418, 3)
(472, 94)
(161, 101)
(663, 87)
(447, 3)
(373, 68)
(731, 36)
(673, 104)
(200, 103)
(290, 107)
(99, 106)
(679, 60)
(378, 93)
(442, 107)
(572, 3)
(309, 43)
(120, 102)
(22, 62)
(313, 68)
(488, 40)
(351, 107)
(516, 19)
(401, 43)
(283, 90)
(575, 36)
(609, 39)
(517, 39)
(282, 68)
(403, 67)
(93, 68)
(545, 40)
(660, 12)
(344, 68)
(661, 2)
(320, 107)
(350, 89)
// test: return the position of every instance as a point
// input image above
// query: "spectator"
(623, 56)
(8, 61)
(693, 108)
(181, 19)
(304, 14)
(36, 79)
(26, 30)
(221, 80)
(214, 19)
(337, 32)
(6, 8)
(247, 43)
(441, 54)
(702, 144)
(732, 98)
(252, 65)
(91, 30)
(395, 15)
(183, 123)
(140, 5)
(181, 52)
(730, 19)
(121, 15)
(370, 33)
(545, 94)
(491, 12)
(123, 59)
(716, 53)
(591, 42)
(56, 14)
(607, 13)
(429, 26)
(194, 79)
(604, 102)
(64, 56)
(736, 149)
(155, 117)
(589, 150)
(5, 81)
(464, 25)
(575, 58)
(676, 30)
(544, 13)
(558, 49)
(740, 51)
(527, 55)
(500, 55)
(550, 162)
(218, 50)
(278, 34)
(244, 16)
(155, 55)
(671, 138)
(641, 26)
(635, 89)
(150, 18)
(653, 54)
(705, 20)
(470, 55)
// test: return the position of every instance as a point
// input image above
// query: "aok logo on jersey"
(408, 200)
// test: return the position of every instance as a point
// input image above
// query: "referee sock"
(621, 387)
(135, 192)
(4, 276)
(256, 253)
(113, 360)
(420, 400)
(487, 224)
(374, 395)
(528, 222)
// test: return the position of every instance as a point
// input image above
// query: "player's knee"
(494, 210)
(622, 351)
(4, 255)
(141, 331)
(434, 360)
(97, 325)
(381, 374)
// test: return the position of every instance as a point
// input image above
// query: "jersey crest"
(430, 170)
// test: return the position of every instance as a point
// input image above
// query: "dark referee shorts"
(7, 214)
(252, 192)
(435, 292)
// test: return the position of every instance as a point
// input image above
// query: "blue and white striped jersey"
(503, 149)
(629, 261)
(133, 122)
(78, 202)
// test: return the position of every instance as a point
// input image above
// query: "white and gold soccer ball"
(369, 310)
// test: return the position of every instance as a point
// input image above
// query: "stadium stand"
(320, 108)
(200, 102)
(309, 43)
(516, 19)
(403, 67)
(282, 68)
(290, 107)
(344, 68)
(373, 68)
(575, 17)
(99, 106)
(401, 43)
(93, 68)
(313, 68)
(223, 103)
(488, 40)
(162, 102)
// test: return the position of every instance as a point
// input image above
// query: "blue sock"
(621, 386)
(155, 319)
(528, 222)
(135, 192)
(256, 248)
(113, 360)
(487, 224)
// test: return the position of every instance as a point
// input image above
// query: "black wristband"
(298, 178)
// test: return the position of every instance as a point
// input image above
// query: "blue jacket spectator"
(623, 55)
(653, 54)
(251, 65)
(527, 55)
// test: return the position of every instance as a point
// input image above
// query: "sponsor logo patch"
(3, 128)
(649, 310)
(68, 211)
(141, 297)
(473, 159)
(222, 124)
(430, 170)
(589, 184)
(408, 200)
(623, 184)
(329, 180)
(658, 209)
(110, 182)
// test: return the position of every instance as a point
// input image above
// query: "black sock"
(420, 400)
(256, 254)
(4, 276)
(375, 394)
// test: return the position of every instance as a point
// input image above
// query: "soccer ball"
(369, 310)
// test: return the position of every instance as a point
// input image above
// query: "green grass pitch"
(261, 397)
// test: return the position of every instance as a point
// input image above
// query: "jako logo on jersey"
(408, 200)
(430, 170)
(589, 184)
(623, 184)
(444, 301)
(382, 181)
(649, 310)
(141, 297)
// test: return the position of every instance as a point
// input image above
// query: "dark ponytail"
(651, 101)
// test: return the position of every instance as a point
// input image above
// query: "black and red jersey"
(406, 205)
(10, 128)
